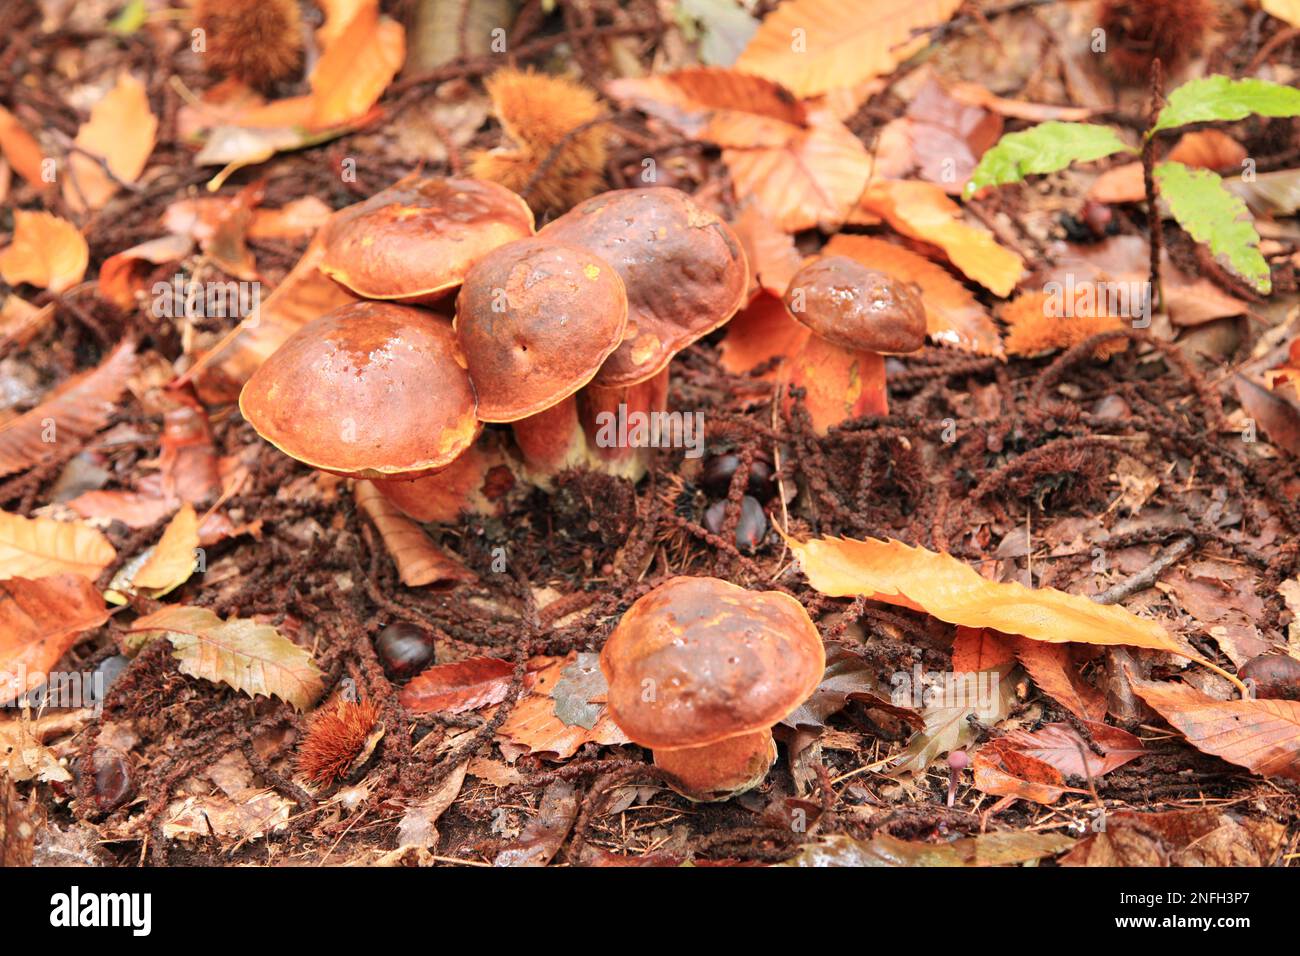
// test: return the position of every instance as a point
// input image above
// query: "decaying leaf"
(39, 622)
(848, 677)
(250, 657)
(947, 704)
(37, 547)
(172, 561)
(74, 412)
(1261, 735)
(1034, 765)
(544, 834)
(419, 561)
(534, 725)
(457, 687)
(1199, 837)
(987, 849)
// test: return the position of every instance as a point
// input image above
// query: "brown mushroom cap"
(416, 239)
(858, 308)
(699, 660)
(683, 267)
(370, 390)
(536, 319)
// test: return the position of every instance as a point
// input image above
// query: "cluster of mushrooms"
(550, 329)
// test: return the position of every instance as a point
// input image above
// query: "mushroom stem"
(551, 441)
(603, 407)
(839, 384)
(720, 771)
(474, 483)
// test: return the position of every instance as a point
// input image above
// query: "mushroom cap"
(699, 660)
(416, 239)
(858, 308)
(370, 390)
(685, 272)
(536, 319)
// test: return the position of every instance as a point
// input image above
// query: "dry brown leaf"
(1199, 837)
(39, 622)
(21, 149)
(37, 547)
(172, 561)
(20, 321)
(1006, 848)
(132, 508)
(75, 411)
(1261, 735)
(419, 561)
(46, 251)
(545, 833)
(976, 95)
(762, 331)
(250, 657)
(1053, 670)
(951, 590)
(457, 687)
(813, 46)
(953, 316)
(924, 212)
(689, 99)
(534, 726)
(121, 132)
(976, 649)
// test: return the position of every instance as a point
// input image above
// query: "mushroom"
(855, 314)
(699, 670)
(415, 240)
(685, 274)
(535, 319)
(369, 390)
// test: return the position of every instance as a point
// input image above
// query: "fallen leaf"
(848, 677)
(418, 827)
(977, 95)
(1199, 837)
(1287, 10)
(172, 561)
(976, 649)
(1033, 765)
(813, 46)
(356, 68)
(953, 315)
(121, 132)
(952, 591)
(17, 835)
(987, 849)
(419, 561)
(46, 251)
(39, 622)
(690, 99)
(1053, 670)
(72, 413)
(534, 726)
(924, 212)
(250, 817)
(457, 687)
(762, 331)
(20, 321)
(122, 275)
(38, 547)
(947, 704)
(250, 657)
(132, 508)
(1261, 735)
(544, 833)
(1203, 149)
(22, 150)
(773, 258)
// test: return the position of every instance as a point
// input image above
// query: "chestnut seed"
(717, 472)
(751, 529)
(404, 649)
(112, 784)
(1275, 676)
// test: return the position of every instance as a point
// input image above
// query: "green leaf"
(1223, 98)
(1212, 215)
(1044, 148)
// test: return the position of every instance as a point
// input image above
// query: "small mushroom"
(685, 274)
(699, 670)
(416, 240)
(855, 314)
(536, 319)
(370, 390)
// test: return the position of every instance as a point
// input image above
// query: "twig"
(1147, 576)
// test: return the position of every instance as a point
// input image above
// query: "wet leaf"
(250, 657)
(949, 704)
(39, 622)
(545, 833)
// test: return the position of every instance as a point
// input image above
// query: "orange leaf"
(37, 547)
(1261, 735)
(975, 95)
(1055, 674)
(762, 331)
(924, 212)
(21, 149)
(454, 688)
(172, 561)
(39, 622)
(121, 276)
(76, 410)
(1204, 149)
(419, 561)
(46, 251)
(953, 316)
(773, 258)
(951, 590)
(356, 68)
(813, 46)
(121, 132)
(534, 725)
(20, 320)
(800, 177)
(688, 99)
(1002, 770)
(976, 649)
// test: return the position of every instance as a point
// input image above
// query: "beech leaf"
(46, 251)
(419, 561)
(250, 657)
(986, 849)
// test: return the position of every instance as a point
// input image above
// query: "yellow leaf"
(121, 132)
(46, 251)
(1288, 10)
(38, 547)
(952, 591)
(924, 212)
(813, 46)
(250, 657)
(172, 561)
(356, 69)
